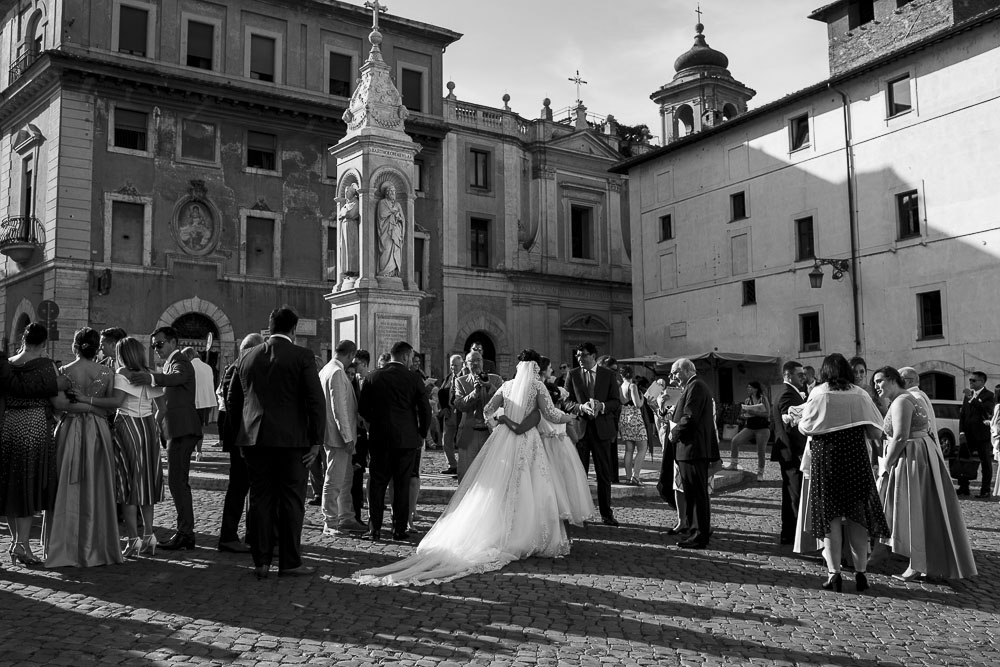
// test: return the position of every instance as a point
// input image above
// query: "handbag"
(961, 468)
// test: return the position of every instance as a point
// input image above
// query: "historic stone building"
(166, 162)
(858, 215)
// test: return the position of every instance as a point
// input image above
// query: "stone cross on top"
(577, 80)
(376, 8)
(698, 12)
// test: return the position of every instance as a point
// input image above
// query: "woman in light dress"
(82, 528)
(632, 428)
(920, 503)
(506, 507)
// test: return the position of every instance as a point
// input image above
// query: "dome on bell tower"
(701, 54)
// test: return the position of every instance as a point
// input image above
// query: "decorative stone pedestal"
(375, 318)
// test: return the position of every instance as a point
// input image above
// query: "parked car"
(946, 413)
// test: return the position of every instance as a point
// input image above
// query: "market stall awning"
(711, 357)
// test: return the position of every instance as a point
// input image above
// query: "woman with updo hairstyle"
(27, 449)
(83, 529)
(506, 506)
(138, 473)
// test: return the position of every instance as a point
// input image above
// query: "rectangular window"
(860, 12)
(262, 57)
(200, 44)
(480, 170)
(929, 319)
(805, 243)
(260, 247)
(418, 175)
(418, 262)
(479, 233)
(798, 129)
(133, 30)
(749, 292)
(198, 140)
(581, 232)
(126, 232)
(331, 163)
(908, 214)
(28, 189)
(666, 227)
(809, 332)
(262, 150)
(340, 74)
(738, 205)
(898, 95)
(412, 89)
(130, 129)
(331, 252)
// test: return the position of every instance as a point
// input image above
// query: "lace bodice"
(918, 422)
(96, 387)
(537, 395)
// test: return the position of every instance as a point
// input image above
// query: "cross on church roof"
(577, 80)
(698, 12)
(376, 8)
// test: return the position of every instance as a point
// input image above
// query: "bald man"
(911, 382)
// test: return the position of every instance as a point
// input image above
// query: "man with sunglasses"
(180, 425)
(974, 423)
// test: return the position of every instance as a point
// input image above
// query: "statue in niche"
(390, 232)
(349, 230)
(193, 227)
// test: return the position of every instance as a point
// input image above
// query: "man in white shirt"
(205, 401)
(339, 442)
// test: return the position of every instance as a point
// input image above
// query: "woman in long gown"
(138, 473)
(573, 496)
(505, 509)
(83, 530)
(837, 417)
(916, 490)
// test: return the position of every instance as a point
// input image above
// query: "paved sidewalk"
(624, 596)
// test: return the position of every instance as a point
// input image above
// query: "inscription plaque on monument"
(389, 330)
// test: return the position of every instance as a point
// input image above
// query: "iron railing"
(21, 65)
(20, 229)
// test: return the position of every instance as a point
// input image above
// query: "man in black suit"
(696, 445)
(594, 395)
(181, 426)
(789, 445)
(277, 390)
(394, 404)
(974, 422)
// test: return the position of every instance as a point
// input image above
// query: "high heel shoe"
(861, 582)
(908, 576)
(132, 547)
(20, 553)
(835, 582)
(148, 544)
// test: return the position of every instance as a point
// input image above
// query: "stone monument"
(375, 301)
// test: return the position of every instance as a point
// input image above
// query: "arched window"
(684, 120)
(729, 111)
(938, 385)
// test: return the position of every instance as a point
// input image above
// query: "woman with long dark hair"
(754, 414)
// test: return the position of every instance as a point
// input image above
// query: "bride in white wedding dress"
(505, 509)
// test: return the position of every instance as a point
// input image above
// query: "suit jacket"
(178, 381)
(606, 390)
(694, 435)
(469, 403)
(341, 405)
(974, 417)
(394, 403)
(277, 391)
(789, 443)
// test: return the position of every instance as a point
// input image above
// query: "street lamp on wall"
(839, 266)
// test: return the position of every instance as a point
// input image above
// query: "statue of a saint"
(349, 231)
(390, 232)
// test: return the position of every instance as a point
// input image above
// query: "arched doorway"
(483, 338)
(192, 331)
(938, 385)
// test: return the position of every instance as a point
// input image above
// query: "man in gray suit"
(470, 395)
(180, 425)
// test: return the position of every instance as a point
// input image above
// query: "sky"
(624, 49)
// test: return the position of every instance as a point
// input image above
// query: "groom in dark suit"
(181, 426)
(594, 394)
(394, 403)
(789, 445)
(278, 393)
(974, 422)
(696, 444)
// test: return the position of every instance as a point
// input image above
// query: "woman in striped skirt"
(139, 477)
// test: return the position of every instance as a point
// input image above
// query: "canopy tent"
(648, 359)
(712, 357)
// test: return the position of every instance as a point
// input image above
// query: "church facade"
(855, 216)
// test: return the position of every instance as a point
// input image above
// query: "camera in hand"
(484, 377)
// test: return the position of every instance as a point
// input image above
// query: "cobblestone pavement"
(624, 596)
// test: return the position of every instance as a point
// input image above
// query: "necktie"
(590, 382)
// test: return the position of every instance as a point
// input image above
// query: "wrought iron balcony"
(21, 65)
(20, 235)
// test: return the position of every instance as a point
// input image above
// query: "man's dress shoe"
(235, 547)
(400, 536)
(316, 502)
(692, 544)
(609, 520)
(678, 530)
(373, 535)
(178, 543)
(300, 571)
(261, 571)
